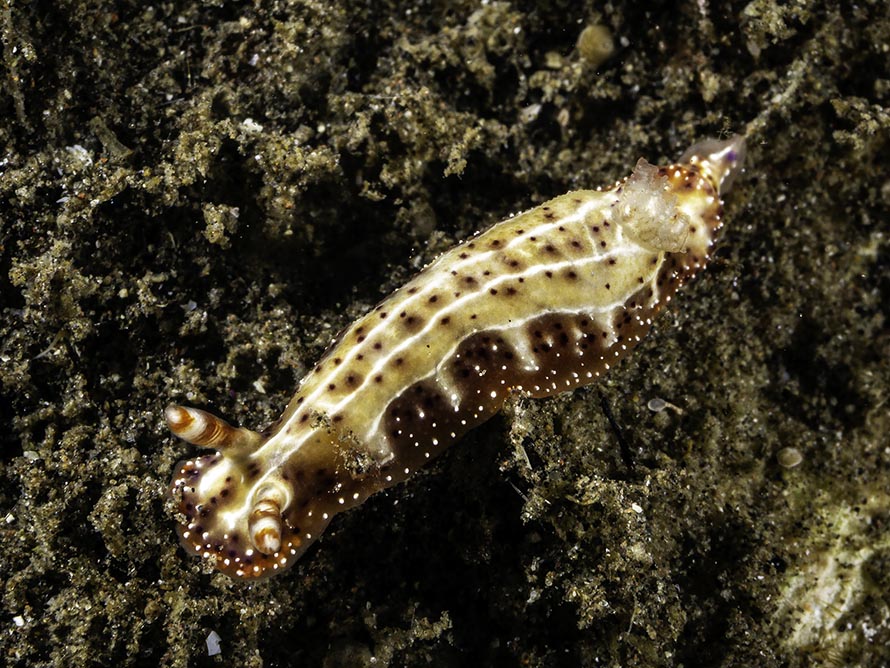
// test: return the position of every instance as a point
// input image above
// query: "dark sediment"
(193, 201)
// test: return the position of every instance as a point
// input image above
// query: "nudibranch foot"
(540, 303)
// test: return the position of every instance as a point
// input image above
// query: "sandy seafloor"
(195, 197)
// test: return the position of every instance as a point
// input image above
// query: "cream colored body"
(539, 303)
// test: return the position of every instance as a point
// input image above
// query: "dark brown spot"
(304, 417)
(337, 418)
(511, 291)
(378, 378)
(496, 243)
(550, 248)
(463, 256)
(433, 299)
(608, 287)
(378, 345)
(603, 244)
(576, 244)
(493, 291)
(548, 274)
(411, 291)
(571, 275)
(445, 320)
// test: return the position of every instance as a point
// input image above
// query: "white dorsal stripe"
(540, 303)
(600, 201)
(315, 399)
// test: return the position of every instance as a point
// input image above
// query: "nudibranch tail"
(720, 160)
(540, 303)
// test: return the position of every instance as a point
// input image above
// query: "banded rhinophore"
(539, 303)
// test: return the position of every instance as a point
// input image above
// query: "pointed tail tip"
(724, 159)
(729, 161)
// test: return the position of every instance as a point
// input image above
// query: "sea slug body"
(540, 303)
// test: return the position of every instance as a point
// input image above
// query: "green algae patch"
(194, 200)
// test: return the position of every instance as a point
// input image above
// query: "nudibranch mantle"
(540, 303)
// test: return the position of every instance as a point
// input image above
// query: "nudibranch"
(540, 303)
